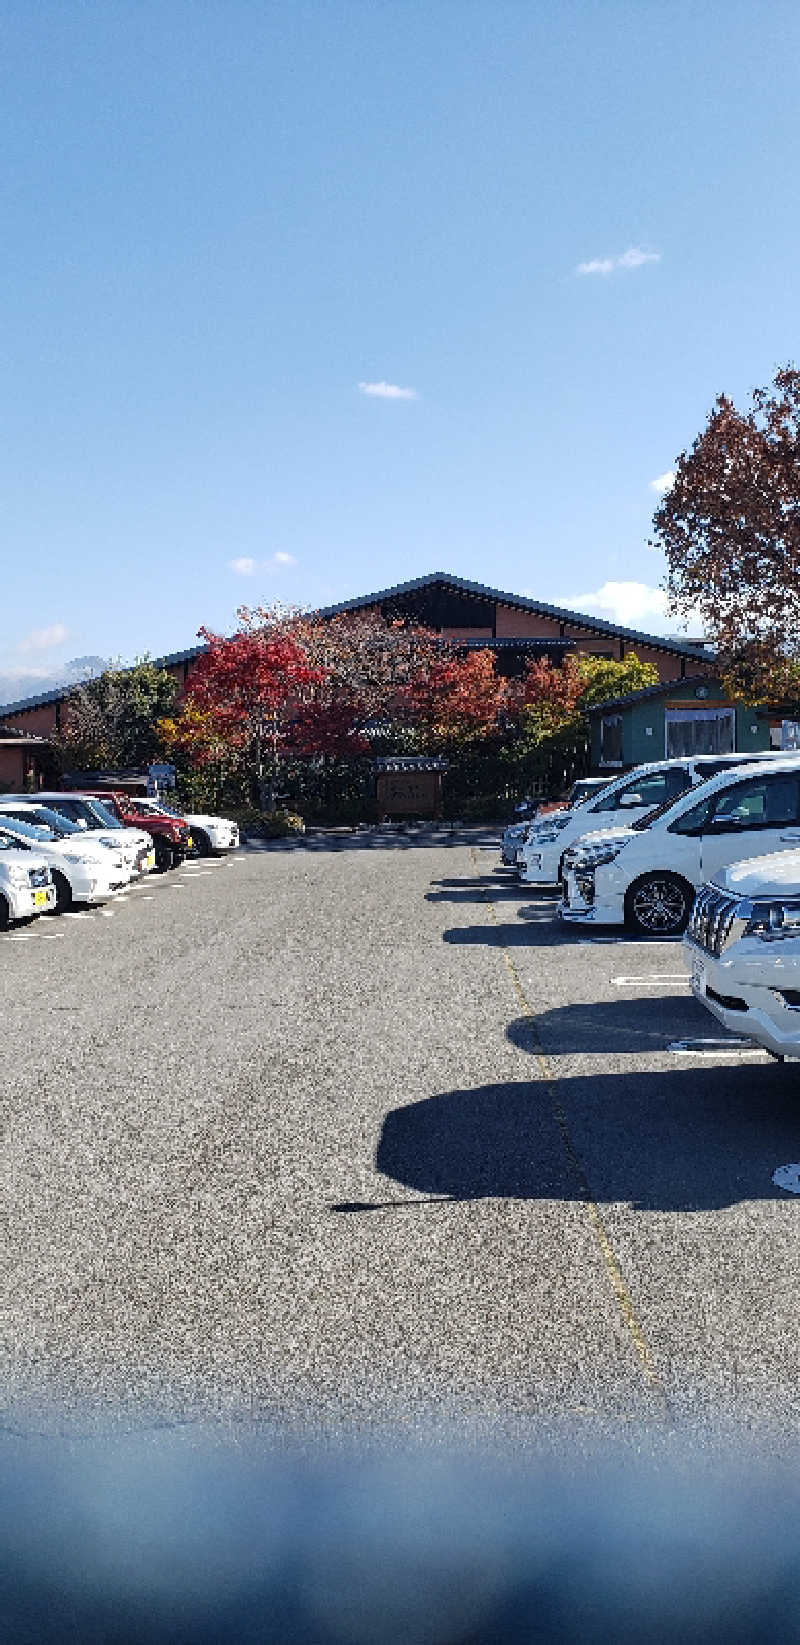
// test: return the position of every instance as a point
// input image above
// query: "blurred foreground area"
(167, 1538)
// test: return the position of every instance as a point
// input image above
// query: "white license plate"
(698, 976)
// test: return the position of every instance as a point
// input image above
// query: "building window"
(611, 739)
(690, 731)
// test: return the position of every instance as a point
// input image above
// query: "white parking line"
(650, 979)
(18, 939)
(69, 916)
(148, 897)
(52, 936)
(107, 913)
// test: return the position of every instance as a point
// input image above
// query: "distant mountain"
(29, 682)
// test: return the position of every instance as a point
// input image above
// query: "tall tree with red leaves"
(249, 688)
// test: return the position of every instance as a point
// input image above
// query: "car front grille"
(716, 921)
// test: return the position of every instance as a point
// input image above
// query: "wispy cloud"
(628, 603)
(44, 639)
(663, 482)
(634, 257)
(387, 391)
(245, 566)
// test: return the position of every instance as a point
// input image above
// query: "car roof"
(789, 763)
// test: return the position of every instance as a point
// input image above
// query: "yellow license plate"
(41, 899)
(151, 859)
(189, 843)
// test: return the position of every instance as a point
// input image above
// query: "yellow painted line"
(614, 1273)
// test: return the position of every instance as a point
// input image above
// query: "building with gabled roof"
(514, 626)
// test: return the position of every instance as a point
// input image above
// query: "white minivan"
(626, 800)
(646, 876)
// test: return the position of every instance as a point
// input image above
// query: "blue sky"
(222, 217)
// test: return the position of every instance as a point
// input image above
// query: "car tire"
(5, 914)
(201, 844)
(165, 856)
(63, 891)
(659, 905)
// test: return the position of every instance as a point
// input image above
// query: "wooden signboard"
(409, 794)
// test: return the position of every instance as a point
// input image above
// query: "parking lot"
(352, 1133)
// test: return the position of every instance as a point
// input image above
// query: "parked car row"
(57, 849)
(715, 854)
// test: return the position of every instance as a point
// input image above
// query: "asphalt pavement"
(351, 1135)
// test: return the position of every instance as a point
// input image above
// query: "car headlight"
(549, 830)
(596, 855)
(771, 920)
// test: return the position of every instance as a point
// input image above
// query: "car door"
(750, 819)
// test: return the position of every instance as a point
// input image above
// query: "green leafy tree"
(111, 721)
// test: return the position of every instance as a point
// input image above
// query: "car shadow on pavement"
(378, 839)
(690, 1140)
(618, 1025)
(542, 931)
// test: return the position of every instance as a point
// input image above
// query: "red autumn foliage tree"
(730, 530)
(245, 691)
(365, 665)
(458, 700)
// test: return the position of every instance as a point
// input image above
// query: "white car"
(516, 834)
(90, 814)
(646, 876)
(743, 945)
(44, 816)
(82, 872)
(626, 801)
(26, 884)
(210, 835)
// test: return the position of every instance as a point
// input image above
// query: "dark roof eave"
(596, 625)
(663, 689)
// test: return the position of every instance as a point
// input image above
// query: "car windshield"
(156, 809)
(100, 813)
(45, 817)
(659, 810)
(28, 831)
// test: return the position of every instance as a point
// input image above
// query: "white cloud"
(244, 566)
(43, 639)
(387, 391)
(634, 257)
(631, 605)
(663, 482)
(283, 559)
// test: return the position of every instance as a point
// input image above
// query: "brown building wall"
(12, 767)
(42, 721)
(525, 625)
(467, 634)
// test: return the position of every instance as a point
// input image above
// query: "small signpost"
(158, 777)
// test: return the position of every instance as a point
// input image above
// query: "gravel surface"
(351, 1135)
